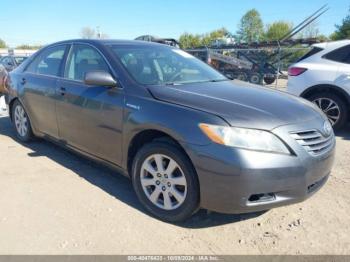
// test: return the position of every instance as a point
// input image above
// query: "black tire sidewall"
(253, 76)
(341, 104)
(269, 80)
(191, 202)
(29, 133)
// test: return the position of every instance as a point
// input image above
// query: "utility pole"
(98, 32)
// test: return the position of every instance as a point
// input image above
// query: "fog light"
(261, 197)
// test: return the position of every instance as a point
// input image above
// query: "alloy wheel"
(163, 181)
(21, 121)
(330, 108)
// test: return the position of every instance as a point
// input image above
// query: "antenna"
(305, 23)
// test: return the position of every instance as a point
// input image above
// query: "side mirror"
(99, 78)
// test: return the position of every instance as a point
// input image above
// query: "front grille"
(313, 141)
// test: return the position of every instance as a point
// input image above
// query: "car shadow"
(111, 182)
(344, 133)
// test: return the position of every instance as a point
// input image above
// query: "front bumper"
(239, 181)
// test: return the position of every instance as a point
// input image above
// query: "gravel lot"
(54, 202)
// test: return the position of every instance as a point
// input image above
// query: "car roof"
(332, 45)
(109, 42)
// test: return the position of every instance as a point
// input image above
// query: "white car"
(323, 77)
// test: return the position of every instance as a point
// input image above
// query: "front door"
(89, 117)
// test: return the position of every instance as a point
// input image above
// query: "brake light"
(295, 71)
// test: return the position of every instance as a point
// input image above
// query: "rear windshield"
(312, 52)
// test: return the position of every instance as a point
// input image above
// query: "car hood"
(240, 104)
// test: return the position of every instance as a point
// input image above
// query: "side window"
(84, 59)
(48, 62)
(340, 55)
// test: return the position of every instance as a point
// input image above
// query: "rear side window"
(312, 52)
(341, 55)
(48, 62)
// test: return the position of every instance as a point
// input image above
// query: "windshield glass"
(157, 65)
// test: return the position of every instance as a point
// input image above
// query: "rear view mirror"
(99, 78)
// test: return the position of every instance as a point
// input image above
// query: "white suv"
(323, 77)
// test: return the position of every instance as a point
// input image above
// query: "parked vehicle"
(165, 41)
(186, 136)
(323, 77)
(10, 62)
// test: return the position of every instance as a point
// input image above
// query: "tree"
(29, 47)
(188, 40)
(88, 33)
(210, 37)
(311, 31)
(322, 38)
(103, 36)
(343, 30)
(251, 27)
(277, 30)
(2, 43)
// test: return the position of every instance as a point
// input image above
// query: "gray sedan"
(187, 136)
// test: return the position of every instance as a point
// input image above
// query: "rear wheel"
(334, 108)
(165, 182)
(21, 122)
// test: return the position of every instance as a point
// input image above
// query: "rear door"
(39, 82)
(90, 117)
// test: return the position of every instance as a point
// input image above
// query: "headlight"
(252, 139)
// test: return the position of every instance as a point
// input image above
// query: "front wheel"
(165, 182)
(21, 122)
(333, 107)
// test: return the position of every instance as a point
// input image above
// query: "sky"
(47, 21)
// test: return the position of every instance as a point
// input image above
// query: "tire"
(21, 122)
(186, 201)
(321, 100)
(255, 79)
(269, 80)
(241, 76)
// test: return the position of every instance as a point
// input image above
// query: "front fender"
(178, 122)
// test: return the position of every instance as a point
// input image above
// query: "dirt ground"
(54, 202)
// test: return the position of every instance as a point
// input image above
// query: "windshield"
(157, 65)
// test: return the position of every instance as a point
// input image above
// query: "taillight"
(295, 71)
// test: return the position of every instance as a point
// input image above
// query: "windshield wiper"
(172, 84)
(219, 80)
(194, 82)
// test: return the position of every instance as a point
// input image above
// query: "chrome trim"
(314, 142)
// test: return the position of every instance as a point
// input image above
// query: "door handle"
(23, 81)
(63, 91)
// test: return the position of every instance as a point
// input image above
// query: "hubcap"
(330, 108)
(21, 121)
(163, 182)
